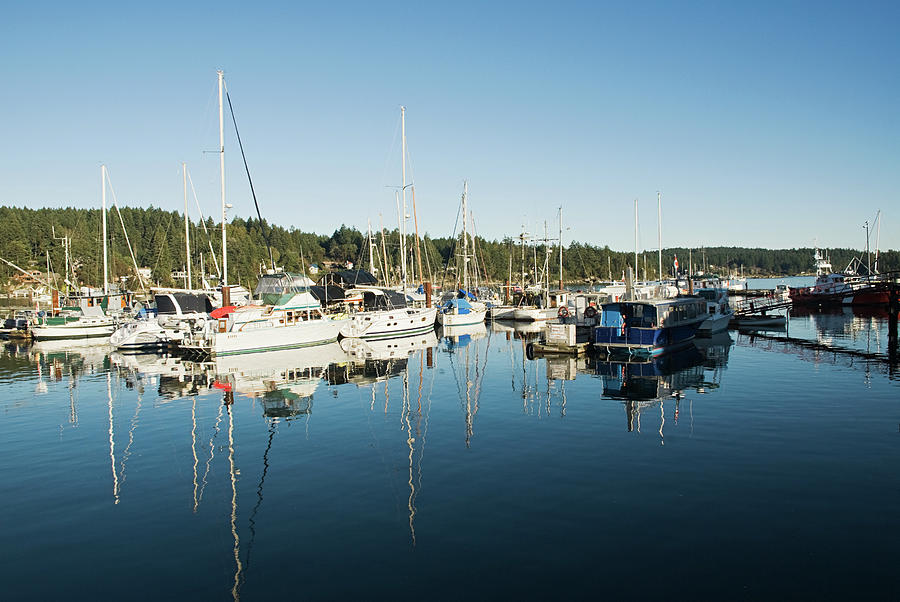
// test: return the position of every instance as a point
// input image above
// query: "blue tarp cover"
(466, 294)
(462, 306)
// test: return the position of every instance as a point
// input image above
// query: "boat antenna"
(262, 224)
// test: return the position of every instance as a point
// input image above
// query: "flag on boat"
(676, 263)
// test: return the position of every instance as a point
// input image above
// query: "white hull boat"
(85, 327)
(297, 321)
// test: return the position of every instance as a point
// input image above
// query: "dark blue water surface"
(749, 466)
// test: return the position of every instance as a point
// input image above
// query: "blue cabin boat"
(648, 328)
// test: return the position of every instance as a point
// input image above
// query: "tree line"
(157, 237)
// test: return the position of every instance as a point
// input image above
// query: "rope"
(249, 179)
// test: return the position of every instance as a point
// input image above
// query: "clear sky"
(762, 124)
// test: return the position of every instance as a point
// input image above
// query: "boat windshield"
(280, 284)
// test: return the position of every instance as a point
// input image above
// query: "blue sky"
(762, 124)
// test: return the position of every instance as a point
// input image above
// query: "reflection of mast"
(410, 440)
(662, 422)
(194, 446)
(112, 441)
(238, 567)
(259, 488)
(127, 452)
(212, 453)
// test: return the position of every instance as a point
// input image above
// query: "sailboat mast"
(465, 238)
(371, 254)
(105, 261)
(635, 237)
(560, 249)
(222, 172)
(403, 195)
(416, 224)
(522, 237)
(659, 231)
(187, 233)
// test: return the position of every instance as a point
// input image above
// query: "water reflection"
(642, 385)
(229, 428)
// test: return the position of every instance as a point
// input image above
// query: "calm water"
(748, 467)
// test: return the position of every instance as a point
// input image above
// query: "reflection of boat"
(92, 352)
(460, 336)
(360, 349)
(279, 378)
(715, 349)
(656, 378)
(644, 384)
(519, 328)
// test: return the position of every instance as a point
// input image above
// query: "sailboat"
(464, 309)
(285, 314)
(388, 313)
(90, 320)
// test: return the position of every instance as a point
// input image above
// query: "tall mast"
(560, 249)
(465, 238)
(522, 238)
(877, 238)
(187, 233)
(371, 254)
(635, 237)
(105, 262)
(659, 231)
(222, 171)
(416, 224)
(403, 195)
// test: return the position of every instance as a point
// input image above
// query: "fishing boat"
(648, 328)
(855, 285)
(718, 310)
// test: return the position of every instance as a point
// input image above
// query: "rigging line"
(205, 230)
(125, 231)
(262, 224)
(165, 235)
(452, 247)
(390, 152)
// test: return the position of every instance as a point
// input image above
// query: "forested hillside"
(157, 237)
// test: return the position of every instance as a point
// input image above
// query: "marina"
(416, 452)
(482, 301)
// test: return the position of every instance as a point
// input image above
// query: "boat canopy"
(182, 303)
(281, 282)
(464, 294)
(379, 298)
(347, 278)
(461, 305)
(327, 293)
